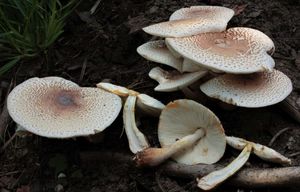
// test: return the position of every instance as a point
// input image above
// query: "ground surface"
(103, 46)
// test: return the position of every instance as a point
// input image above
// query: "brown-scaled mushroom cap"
(237, 50)
(252, 90)
(205, 12)
(192, 21)
(184, 117)
(57, 108)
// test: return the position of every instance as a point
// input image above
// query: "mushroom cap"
(58, 108)
(173, 80)
(253, 90)
(191, 21)
(205, 12)
(190, 66)
(157, 51)
(183, 117)
(149, 104)
(238, 50)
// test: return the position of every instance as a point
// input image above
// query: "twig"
(157, 179)
(277, 135)
(93, 9)
(4, 116)
(83, 70)
(9, 173)
(291, 110)
(294, 154)
(247, 177)
(8, 142)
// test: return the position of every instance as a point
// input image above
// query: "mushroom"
(157, 51)
(189, 133)
(261, 151)
(137, 141)
(146, 103)
(192, 21)
(237, 50)
(217, 177)
(190, 66)
(57, 108)
(252, 90)
(173, 80)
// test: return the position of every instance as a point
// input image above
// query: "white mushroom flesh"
(136, 139)
(215, 178)
(261, 151)
(149, 105)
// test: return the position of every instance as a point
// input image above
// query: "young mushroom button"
(57, 108)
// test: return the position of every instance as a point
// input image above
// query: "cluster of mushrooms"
(197, 44)
(233, 65)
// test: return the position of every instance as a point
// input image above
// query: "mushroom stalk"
(217, 177)
(136, 139)
(155, 156)
(261, 151)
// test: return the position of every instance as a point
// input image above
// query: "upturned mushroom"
(57, 108)
(237, 50)
(189, 133)
(191, 21)
(252, 90)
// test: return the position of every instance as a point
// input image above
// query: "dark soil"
(103, 46)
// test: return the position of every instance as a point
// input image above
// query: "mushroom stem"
(217, 177)
(155, 156)
(136, 139)
(261, 151)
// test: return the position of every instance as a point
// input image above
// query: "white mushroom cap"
(184, 117)
(238, 50)
(173, 81)
(149, 104)
(191, 21)
(204, 12)
(253, 90)
(52, 107)
(157, 51)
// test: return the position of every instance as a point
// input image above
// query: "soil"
(103, 47)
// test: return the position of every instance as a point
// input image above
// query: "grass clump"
(29, 27)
